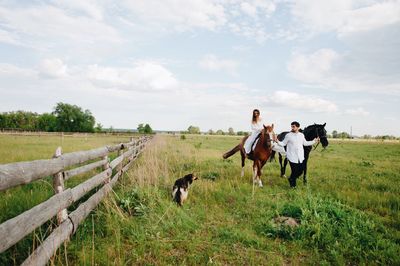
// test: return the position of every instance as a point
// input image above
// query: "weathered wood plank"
(58, 185)
(128, 152)
(83, 188)
(70, 159)
(14, 174)
(48, 248)
(116, 161)
(83, 169)
(85, 208)
(18, 227)
(50, 245)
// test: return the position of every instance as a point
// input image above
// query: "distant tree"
(231, 131)
(210, 132)
(19, 119)
(334, 134)
(193, 130)
(71, 118)
(220, 132)
(344, 135)
(148, 129)
(242, 133)
(47, 122)
(140, 128)
(98, 128)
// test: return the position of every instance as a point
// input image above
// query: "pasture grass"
(348, 212)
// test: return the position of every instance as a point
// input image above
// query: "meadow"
(348, 211)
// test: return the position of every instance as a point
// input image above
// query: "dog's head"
(190, 178)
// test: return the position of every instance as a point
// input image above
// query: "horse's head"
(317, 130)
(267, 135)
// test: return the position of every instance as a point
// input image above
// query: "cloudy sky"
(208, 63)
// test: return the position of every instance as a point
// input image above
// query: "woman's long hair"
(254, 119)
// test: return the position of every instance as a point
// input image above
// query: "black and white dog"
(180, 188)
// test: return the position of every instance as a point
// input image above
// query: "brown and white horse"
(259, 155)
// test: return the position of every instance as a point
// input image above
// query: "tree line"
(344, 135)
(64, 118)
(335, 134)
(196, 130)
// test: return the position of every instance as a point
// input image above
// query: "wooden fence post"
(106, 166)
(58, 185)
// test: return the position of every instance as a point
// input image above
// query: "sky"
(206, 63)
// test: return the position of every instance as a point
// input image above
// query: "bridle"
(271, 139)
(316, 133)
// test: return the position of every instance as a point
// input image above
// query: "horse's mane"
(308, 130)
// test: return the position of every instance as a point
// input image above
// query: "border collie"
(180, 188)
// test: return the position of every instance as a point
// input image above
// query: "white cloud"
(313, 68)
(301, 102)
(9, 70)
(249, 9)
(371, 17)
(357, 112)
(89, 7)
(53, 68)
(181, 14)
(345, 16)
(327, 69)
(7, 37)
(144, 76)
(213, 63)
(248, 19)
(50, 23)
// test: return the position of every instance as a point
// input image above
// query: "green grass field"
(348, 212)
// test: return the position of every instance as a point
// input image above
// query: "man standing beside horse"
(295, 141)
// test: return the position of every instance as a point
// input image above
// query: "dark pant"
(297, 169)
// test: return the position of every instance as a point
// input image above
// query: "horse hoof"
(283, 176)
(260, 184)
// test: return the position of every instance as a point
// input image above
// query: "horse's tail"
(272, 156)
(231, 152)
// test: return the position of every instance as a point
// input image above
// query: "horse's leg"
(261, 165)
(257, 173)
(280, 163)
(254, 175)
(284, 166)
(243, 162)
(307, 151)
(305, 171)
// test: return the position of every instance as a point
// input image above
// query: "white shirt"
(295, 143)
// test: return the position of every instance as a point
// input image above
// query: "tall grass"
(348, 212)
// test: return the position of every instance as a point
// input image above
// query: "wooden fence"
(14, 174)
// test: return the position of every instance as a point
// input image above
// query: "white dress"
(256, 129)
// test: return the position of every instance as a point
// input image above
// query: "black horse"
(310, 133)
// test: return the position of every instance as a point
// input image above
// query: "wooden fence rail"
(13, 174)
